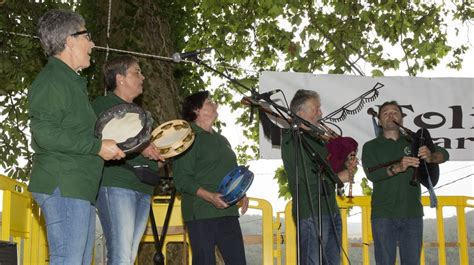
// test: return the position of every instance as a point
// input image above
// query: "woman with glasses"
(68, 160)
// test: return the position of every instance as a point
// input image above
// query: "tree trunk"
(137, 27)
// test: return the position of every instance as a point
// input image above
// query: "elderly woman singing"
(68, 159)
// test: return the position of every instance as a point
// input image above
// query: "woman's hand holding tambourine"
(110, 151)
(152, 153)
(213, 197)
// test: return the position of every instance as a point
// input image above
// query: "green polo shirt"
(114, 175)
(62, 128)
(308, 179)
(204, 165)
(392, 197)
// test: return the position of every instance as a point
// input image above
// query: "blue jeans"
(407, 232)
(123, 214)
(309, 242)
(70, 226)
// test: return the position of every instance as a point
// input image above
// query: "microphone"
(372, 112)
(267, 94)
(178, 57)
(377, 128)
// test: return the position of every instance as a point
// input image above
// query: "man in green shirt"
(307, 105)
(397, 212)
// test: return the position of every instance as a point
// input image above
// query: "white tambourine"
(128, 124)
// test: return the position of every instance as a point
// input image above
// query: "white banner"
(443, 105)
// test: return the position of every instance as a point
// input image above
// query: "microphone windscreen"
(176, 57)
(372, 112)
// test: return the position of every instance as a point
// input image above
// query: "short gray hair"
(55, 26)
(300, 98)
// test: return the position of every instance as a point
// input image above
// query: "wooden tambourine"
(173, 137)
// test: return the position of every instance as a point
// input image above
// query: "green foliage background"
(337, 37)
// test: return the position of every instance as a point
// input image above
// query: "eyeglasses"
(82, 32)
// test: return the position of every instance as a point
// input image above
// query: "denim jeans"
(309, 243)
(407, 232)
(70, 226)
(123, 214)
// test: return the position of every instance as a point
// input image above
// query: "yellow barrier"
(460, 202)
(177, 233)
(21, 222)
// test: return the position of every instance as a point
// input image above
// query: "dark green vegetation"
(328, 37)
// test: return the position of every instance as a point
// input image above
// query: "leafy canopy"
(341, 37)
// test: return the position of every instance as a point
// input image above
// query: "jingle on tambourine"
(173, 138)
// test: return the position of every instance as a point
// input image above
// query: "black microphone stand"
(321, 166)
(233, 80)
(301, 145)
(297, 140)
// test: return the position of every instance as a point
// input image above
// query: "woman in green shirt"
(68, 159)
(197, 173)
(123, 202)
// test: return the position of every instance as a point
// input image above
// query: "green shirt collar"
(115, 98)
(199, 130)
(64, 68)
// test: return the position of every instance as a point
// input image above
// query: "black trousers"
(223, 232)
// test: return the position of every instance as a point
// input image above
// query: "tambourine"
(128, 124)
(235, 184)
(173, 137)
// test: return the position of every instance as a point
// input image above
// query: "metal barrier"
(22, 224)
(459, 202)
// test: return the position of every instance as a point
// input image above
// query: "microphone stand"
(296, 139)
(321, 166)
(298, 143)
(233, 80)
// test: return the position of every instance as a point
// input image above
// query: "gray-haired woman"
(68, 159)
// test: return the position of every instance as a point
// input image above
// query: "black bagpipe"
(426, 172)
